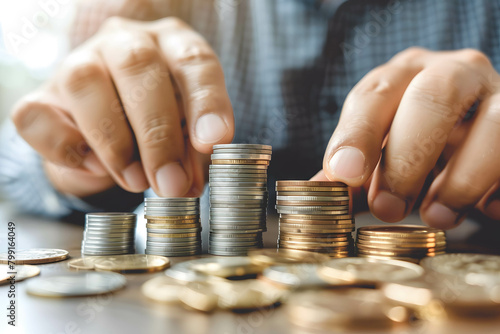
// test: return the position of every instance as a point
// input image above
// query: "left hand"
(404, 122)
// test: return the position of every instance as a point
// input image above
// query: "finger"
(35, 122)
(471, 172)
(200, 79)
(490, 203)
(92, 102)
(144, 85)
(354, 149)
(429, 110)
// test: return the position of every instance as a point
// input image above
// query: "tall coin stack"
(315, 216)
(173, 226)
(400, 242)
(110, 233)
(238, 197)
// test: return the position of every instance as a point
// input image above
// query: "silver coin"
(243, 146)
(76, 284)
(117, 215)
(174, 230)
(312, 198)
(152, 200)
(216, 179)
(293, 211)
(158, 213)
(104, 253)
(314, 208)
(236, 192)
(232, 236)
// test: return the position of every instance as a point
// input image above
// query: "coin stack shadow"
(238, 197)
(173, 226)
(315, 216)
(109, 233)
(400, 242)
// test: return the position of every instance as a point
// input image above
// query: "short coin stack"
(110, 233)
(315, 216)
(173, 226)
(401, 242)
(238, 197)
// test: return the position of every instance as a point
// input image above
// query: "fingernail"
(493, 209)
(388, 207)
(94, 165)
(172, 180)
(347, 163)
(210, 128)
(440, 216)
(135, 177)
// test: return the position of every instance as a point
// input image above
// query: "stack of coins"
(401, 242)
(315, 216)
(173, 226)
(238, 197)
(110, 233)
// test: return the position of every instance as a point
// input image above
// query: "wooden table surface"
(128, 311)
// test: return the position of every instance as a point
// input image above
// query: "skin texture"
(141, 104)
(138, 105)
(403, 123)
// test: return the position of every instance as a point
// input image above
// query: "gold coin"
(394, 252)
(318, 222)
(287, 237)
(172, 226)
(84, 263)
(400, 231)
(132, 263)
(399, 241)
(199, 296)
(270, 257)
(226, 266)
(174, 235)
(240, 162)
(18, 273)
(247, 294)
(402, 247)
(173, 222)
(35, 256)
(303, 183)
(371, 271)
(310, 189)
(312, 203)
(316, 217)
(315, 244)
(399, 258)
(314, 231)
(163, 289)
(318, 193)
(175, 218)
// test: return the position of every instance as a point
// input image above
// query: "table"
(128, 311)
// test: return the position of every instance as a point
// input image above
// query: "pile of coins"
(110, 233)
(238, 197)
(401, 242)
(315, 216)
(173, 226)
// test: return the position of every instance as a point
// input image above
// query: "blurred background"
(34, 38)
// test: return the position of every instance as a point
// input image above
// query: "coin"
(132, 263)
(163, 289)
(369, 271)
(296, 276)
(248, 294)
(18, 272)
(465, 264)
(84, 263)
(35, 256)
(269, 257)
(400, 231)
(342, 310)
(76, 284)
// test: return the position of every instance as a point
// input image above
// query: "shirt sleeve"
(24, 183)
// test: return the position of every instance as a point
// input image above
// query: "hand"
(139, 105)
(406, 122)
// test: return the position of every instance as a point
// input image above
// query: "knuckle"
(80, 75)
(113, 23)
(157, 132)
(474, 56)
(195, 53)
(464, 190)
(173, 23)
(379, 86)
(410, 54)
(26, 112)
(436, 93)
(206, 100)
(139, 57)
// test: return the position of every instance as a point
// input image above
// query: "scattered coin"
(271, 257)
(341, 310)
(163, 289)
(22, 272)
(76, 284)
(369, 271)
(36, 256)
(132, 263)
(296, 276)
(84, 263)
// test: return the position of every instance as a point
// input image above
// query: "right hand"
(115, 112)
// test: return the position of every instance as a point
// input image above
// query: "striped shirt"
(289, 65)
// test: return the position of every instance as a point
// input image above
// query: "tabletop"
(129, 311)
